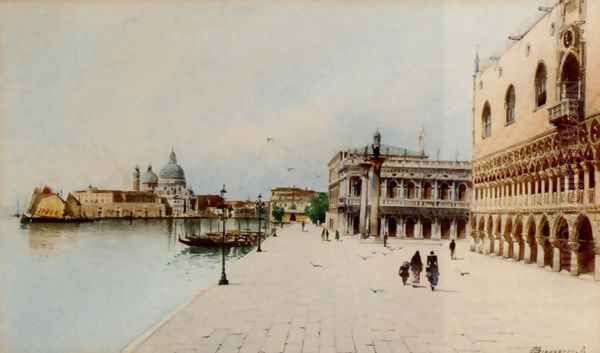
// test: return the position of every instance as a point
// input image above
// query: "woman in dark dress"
(416, 266)
(404, 272)
(432, 270)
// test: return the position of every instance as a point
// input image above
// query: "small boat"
(18, 213)
(216, 240)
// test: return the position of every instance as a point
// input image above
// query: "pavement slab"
(306, 295)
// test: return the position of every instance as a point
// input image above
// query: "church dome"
(149, 176)
(172, 170)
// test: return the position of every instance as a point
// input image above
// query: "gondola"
(212, 242)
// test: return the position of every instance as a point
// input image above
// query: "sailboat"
(18, 213)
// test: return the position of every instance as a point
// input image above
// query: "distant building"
(46, 204)
(416, 197)
(294, 202)
(99, 203)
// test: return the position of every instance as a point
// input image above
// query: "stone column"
(527, 253)
(497, 240)
(597, 256)
(374, 192)
(453, 229)
(586, 181)
(363, 201)
(574, 248)
(516, 250)
(401, 229)
(555, 255)
(528, 192)
(550, 186)
(418, 229)
(540, 252)
(436, 234)
(506, 250)
(566, 181)
(596, 184)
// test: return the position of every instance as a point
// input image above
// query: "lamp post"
(259, 206)
(223, 280)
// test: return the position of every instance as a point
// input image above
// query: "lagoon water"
(94, 287)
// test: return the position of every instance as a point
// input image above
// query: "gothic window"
(462, 192)
(427, 191)
(444, 192)
(509, 104)
(540, 85)
(486, 121)
(411, 190)
(391, 189)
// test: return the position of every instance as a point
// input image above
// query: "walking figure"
(452, 248)
(326, 234)
(303, 226)
(403, 272)
(323, 234)
(433, 273)
(337, 235)
(416, 266)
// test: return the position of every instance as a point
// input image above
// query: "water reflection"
(98, 285)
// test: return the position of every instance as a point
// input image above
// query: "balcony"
(569, 110)
(563, 199)
(423, 203)
(349, 201)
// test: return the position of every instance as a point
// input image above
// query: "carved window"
(509, 104)
(541, 79)
(486, 121)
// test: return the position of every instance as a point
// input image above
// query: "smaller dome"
(149, 176)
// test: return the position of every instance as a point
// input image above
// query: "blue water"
(94, 287)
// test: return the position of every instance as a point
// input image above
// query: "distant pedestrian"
(403, 272)
(432, 270)
(323, 234)
(337, 234)
(303, 226)
(326, 234)
(416, 266)
(452, 249)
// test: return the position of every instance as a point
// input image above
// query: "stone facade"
(536, 144)
(98, 203)
(294, 202)
(415, 197)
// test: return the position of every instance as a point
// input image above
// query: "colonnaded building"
(536, 144)
(410, 196)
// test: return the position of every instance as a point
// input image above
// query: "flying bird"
(376, 290)
(465, 273)
(315, 265)
(290, 169)
(364, 257)
(269, 139)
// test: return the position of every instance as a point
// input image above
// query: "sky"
(89, 90)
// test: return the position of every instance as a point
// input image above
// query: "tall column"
(374, 192)
(529, 181)
(550, 186)
(597, 256)
(363, 200)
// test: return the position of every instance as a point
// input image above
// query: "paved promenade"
(306, 295)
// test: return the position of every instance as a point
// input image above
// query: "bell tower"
(136, 178)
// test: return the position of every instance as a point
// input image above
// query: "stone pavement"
(306, 295)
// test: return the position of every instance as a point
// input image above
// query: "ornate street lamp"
(259, 206)
(223, 280)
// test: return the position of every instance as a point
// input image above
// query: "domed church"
(169, 184)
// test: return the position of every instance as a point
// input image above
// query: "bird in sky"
(269, 139)
(290, 169)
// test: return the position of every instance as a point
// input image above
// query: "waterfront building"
(149, 180)
(293, 200)
(536, 144)
(46, 204)
(172, 187)
(410, 196)
(99, 203)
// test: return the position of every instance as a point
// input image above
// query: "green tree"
(278, 213)
(317, 208)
